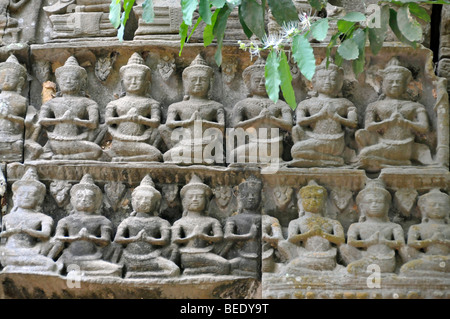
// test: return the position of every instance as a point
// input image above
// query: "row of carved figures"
(245, 244)
(67, 126)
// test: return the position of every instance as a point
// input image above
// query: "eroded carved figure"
(144, 236)
(320, 132)
(197, 235)
(428, 249)
(194, 127)
(27, 230)
(133, 119)
(266, 122)
(374, 239)
(84, 237)
(71, 120)
(312, 238)
(392, 124)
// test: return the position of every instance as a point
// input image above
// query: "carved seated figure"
(319, 136)
(392, 125)
(198, 120)
(144, 236)
(84, 237)
(133, 119)
(13, 108)
(428, 249)
(259, 117)
(196, 234)
(27, 230)
(374, 239)
(312, 237)
(243, 231)
(73, 117)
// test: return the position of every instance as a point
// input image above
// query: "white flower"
(305, 21)
(290, 28)
(272, 41)
(254, 50)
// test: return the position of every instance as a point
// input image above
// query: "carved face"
(313, 200)
(249, 198)
(194, 200)
(374, 204)
(10, 80)
(223, 195)
(327, 82)
(197, 83)
(84, 201)
(144, 202)
(436, 207)
(394, 84)
(258, 83)
(134, 81)
(70, 82)
(27, 197)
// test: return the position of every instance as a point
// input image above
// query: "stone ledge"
(34, 286)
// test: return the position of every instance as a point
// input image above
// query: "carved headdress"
(30, 178)
(394, 66)
(312, 187)
(374, 186)
(136, 62)
(251, 182)
(196, 183)
(198, 64)
(147, 185)
(13, 64)
(257, 66)
(432, 195)
(87, 182)
(71, 65)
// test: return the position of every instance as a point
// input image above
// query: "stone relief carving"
(60, 192)
(27, 230)
(196, 121)
(319, 135)
(73, 117)
(391, 125)
(166, 66)
(104, 66)
(133, 119)
(13, 109)
(258, 115)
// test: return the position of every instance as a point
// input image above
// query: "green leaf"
(114, 13)
(378, 35)
(219, 31)
(272, 76)
(205, 11)
(188, 7)
(408, 26)
(338, 59)
(354, 17)
(330, 46)
(247, 31)
(284, 71)
(283, 11)
(419, 12)
(194, 28)
(303, 55)
(218, 3)
(316, 4)
(344, 26)
(396, 30)
(360, 37)
(208, 32)
(148, 13)
(348, 49)
(319, 29)
(253, 15)
(183, 35)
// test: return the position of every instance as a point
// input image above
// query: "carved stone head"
(197, 78)
(71, 77)
(195, 195)
(434, 205)
(12, 75)
(28, 192)
(135, 75)
(313, 197)
(374, 200)
(146, 198)
(395, 79)
(329, 80)
(254, 78)
(249, 194)
(86, 196)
